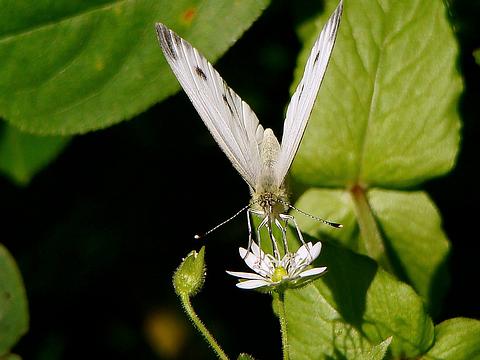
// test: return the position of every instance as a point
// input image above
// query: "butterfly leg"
(283, 229)
(262, 224)
(249, 224)
(287, 217)
(272, 238)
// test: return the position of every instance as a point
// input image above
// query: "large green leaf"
(385, 118)
(22, 155)
(456, 339)
(386, 113)
(76, 66)
(353, 307)
(13, 303)
(408, 222)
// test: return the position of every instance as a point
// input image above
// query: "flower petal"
(260, 264)
(302, 253)
(255, 249)
(315, 250)
(312, 272)
(250, 259)
(307, 256)
(242, 252)
(245, 275)
(252, 284)
(266, 263)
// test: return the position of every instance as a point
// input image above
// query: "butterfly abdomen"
(269, 150)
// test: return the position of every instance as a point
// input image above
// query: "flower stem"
(370, 234)
(187, 305)
(279, 301)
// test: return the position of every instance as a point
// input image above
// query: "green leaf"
(412, 229)
(456, 339)
(13, 303)
(385, 118)
(353, 307)
(378, 352)
(22, 155)
(386, 113)
(476, 55)
(408, 222)
(78, 66)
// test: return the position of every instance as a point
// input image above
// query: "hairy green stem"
(370, 234)
(187, 305)
(279, 299)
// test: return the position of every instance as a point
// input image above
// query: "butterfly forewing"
(230, 120)
(301, 104)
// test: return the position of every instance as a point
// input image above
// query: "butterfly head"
(270, 202)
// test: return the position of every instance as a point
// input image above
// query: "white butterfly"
(255, 152)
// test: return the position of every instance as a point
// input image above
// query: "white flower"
(271, 272)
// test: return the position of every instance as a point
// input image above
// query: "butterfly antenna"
(199, 236)
(332, 224)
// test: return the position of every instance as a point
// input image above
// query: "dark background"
(98, 234)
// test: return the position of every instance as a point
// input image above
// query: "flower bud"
(189, 277)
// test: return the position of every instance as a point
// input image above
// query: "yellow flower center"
(279, 274)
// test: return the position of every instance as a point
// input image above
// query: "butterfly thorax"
(268, 195)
